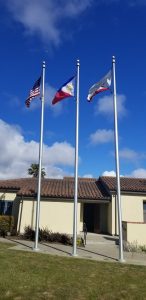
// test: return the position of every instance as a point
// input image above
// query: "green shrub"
(6, 225)
(46, 235)
(66, 240)
(29, 234)
(143, 248)
(80, 242)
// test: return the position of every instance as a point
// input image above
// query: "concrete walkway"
(98, 247)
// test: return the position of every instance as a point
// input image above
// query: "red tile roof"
(90, 189)
(127, 184)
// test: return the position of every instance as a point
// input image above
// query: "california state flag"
(100, 86)
(66, 90)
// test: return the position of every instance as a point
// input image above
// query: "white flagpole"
(76, 166)
(121, 259)
(40, 162)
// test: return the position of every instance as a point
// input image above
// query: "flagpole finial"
(44, 64)
(78, 62)
(113, 59)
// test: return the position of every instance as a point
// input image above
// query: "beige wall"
(80, 216)
(56, 216)
(135, 233)
(132, 211)
(132, 208)
(26, 215)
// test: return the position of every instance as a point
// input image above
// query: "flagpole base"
(74, 254)
(35, 249)
(122, 260)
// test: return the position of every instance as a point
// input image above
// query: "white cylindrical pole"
(121, 259)
(40, 162)
(76, 165)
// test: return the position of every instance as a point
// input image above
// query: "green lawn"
(28, 275)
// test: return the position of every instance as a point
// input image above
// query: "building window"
(6, 207)
(144, 212)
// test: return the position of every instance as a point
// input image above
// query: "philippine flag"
(66, 90)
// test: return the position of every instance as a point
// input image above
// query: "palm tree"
(34, 171)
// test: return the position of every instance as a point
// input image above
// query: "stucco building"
(96, 205)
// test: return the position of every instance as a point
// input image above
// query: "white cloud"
(74, 7)
(44, 18)
(139, 173)
(132, 155)
(129, 154)
(16, 154)
(55, 172)
(88, 176)
(102, 136)
(109, 173)
(59, 154)
(105, 106)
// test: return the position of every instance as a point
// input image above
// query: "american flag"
(34, 92)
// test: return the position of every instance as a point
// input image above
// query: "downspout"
(20, 215)
(116, 233)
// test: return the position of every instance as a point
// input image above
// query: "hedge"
(46, 235)
(6, 225)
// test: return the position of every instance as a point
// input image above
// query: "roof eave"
(65, 199)
(113, 192)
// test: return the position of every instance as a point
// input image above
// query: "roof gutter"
(61, 199)
(129, 193)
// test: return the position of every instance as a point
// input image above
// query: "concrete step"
(93, 238)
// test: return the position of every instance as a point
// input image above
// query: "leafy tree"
(34, 171)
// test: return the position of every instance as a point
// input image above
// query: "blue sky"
(60, 32)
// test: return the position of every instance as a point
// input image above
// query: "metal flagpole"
(121, 259)
(76, 166)
(40, 163)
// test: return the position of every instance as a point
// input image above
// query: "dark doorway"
(92, 217)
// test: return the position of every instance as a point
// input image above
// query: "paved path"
(99, 247)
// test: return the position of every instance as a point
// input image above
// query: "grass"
(35, 276)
